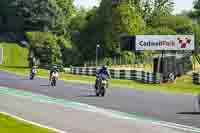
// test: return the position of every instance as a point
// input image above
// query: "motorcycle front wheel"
(31, 77)
(97, 92)
(103, 92)
(53, 83)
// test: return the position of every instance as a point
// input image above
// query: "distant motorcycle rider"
(34, 69)
(33, 72)
(55, 74)
(53, 71)
(104, 70)
(54, 78)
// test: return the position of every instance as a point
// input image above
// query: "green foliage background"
(69, 35)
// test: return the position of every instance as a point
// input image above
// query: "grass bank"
(14, 55)
(11, 125)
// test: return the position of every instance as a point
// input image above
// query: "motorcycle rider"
(104, 70)
(33, 71)
(55, 74)
(54, 77)
(53, 70)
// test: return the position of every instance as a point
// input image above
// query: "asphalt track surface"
(74, 120)
(169, 107)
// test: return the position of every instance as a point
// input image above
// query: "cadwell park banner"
(165, 42)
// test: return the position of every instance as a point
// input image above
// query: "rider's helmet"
(54, 68)
(104, 67)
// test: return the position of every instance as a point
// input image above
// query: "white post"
(1, 62)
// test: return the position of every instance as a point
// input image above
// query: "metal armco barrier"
(196, 78)
(145, 77)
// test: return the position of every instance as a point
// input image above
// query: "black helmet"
(104, 67)
(54, 67)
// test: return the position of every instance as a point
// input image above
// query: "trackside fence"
(145, 77)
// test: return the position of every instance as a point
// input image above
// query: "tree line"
(68, 35)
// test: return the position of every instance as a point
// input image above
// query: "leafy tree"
(79, 20)
(194, 14)
(128, 57)
(4, 7)
(161, 31)
(105, 26)
(38, 14)
(65, 11)
(127, 20)
(87, 37)
(174, 25)
(197, 7)
(153, 9)
(119, 20)
(196, 29)
(45, 48)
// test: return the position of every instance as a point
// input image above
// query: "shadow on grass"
(189, 113)
(17, 67)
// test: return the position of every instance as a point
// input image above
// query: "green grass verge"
(182, 85)
(14, 55)
(11, 125)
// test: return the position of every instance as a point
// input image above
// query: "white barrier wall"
(146, 77)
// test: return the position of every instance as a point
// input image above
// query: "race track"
(176, 108)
